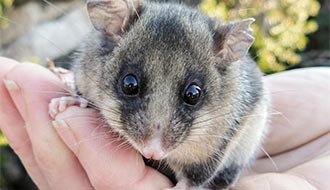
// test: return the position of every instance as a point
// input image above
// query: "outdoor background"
(289, 34)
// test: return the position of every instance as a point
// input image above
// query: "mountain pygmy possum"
(178, 85)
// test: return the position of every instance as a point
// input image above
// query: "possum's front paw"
(58, 105)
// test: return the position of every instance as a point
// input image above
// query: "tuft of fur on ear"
(113, 17)
(233, 41)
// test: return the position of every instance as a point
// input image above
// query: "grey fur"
(168, 47)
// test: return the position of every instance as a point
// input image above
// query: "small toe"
(58, 105)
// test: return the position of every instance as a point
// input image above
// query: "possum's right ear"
(113, 17)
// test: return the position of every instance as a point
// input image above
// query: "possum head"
(153, 71)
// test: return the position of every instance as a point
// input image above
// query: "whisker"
(52, 92)
(283, 116)
(270, 158)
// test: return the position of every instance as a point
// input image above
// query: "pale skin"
(76, 153)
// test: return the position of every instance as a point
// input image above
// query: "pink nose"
(154, 154)
(153, 149)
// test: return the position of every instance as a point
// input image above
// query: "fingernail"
(10, 84)
(65, 132)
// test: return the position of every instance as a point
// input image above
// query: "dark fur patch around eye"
(131, 106)
(185, 113)
(131, 64)
(192, 77)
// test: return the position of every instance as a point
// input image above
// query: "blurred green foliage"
(280, 29)
(4, 4)
(3, 140)
(3, 158)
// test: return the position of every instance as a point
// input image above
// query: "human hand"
(84, 159)
(298, 141)
(89, 158)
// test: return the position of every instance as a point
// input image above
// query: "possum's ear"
(232, 41)
(113, 17)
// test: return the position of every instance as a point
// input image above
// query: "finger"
(57, 163)
(300, 103)
(316, 172)
(12, 125)
(312, 175)
(109, 163)
(271, 181)
(294, 157)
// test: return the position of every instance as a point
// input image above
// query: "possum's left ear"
(232, 41)
(113, 17)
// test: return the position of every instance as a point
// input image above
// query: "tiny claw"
(53, 107)
(83, 102)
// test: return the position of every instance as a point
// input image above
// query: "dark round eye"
(130, 85)
(192, 94)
